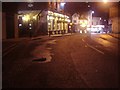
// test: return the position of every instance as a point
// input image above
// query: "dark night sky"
(100, 9)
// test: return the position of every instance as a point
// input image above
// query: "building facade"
(114, 18)
(80, 22)
(83, 23)
(75, 21)
(57, 23)
(32, 19)
(96, 21)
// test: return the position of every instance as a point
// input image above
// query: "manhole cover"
(39, 60)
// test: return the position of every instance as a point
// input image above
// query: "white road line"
(95, 49)
(83, 40)
(7, 52)
(9, 47)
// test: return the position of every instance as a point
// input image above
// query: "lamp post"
(105, 1)
(91, 17)
(62, 5)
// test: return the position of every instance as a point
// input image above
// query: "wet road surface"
(75, 61)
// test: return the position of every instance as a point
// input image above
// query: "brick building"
(114, 17)
(20, 19)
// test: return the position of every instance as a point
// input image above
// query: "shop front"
(57, 23)
(43, 22)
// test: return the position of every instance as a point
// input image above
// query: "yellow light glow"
(70, 23)
(51, 18)
(34, 17)
(50, 13)
(49, 24)
(85, 21)
(56, 14)
(48, 18)
(65, 19)
(105, 1)
(83, 25)
(81, 21)
(56, 18)
(60, 19)
(26, 18)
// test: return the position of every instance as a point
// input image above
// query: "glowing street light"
(62, 4)
(26, 18)
(105, 1)
(93, 12)
(88, 5)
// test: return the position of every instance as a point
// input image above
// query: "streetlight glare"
(26, 17)
(92, 11)
(62, 4)
(105, 1)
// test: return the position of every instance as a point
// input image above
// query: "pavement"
(115, 35)
(76, 61)
(9, 44)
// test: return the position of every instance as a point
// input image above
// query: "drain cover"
(39, 60)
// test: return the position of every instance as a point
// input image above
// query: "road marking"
(92, 47)
(95, 49)
(83, 40)
(49, 48)
(7, 52)
(85, 45)
(6, 49)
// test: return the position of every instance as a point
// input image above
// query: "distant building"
(96, 21)
(80, 22)
(75, 21)
(114, 18)
(85, 22)
(75, 18)
(97, 25)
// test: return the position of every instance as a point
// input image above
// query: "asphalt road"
(75, 61)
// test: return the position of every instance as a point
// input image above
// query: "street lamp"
(62, 8)
(26, 18)
(92, 12)
(105, 1)
(90, 18)
(62, 5)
